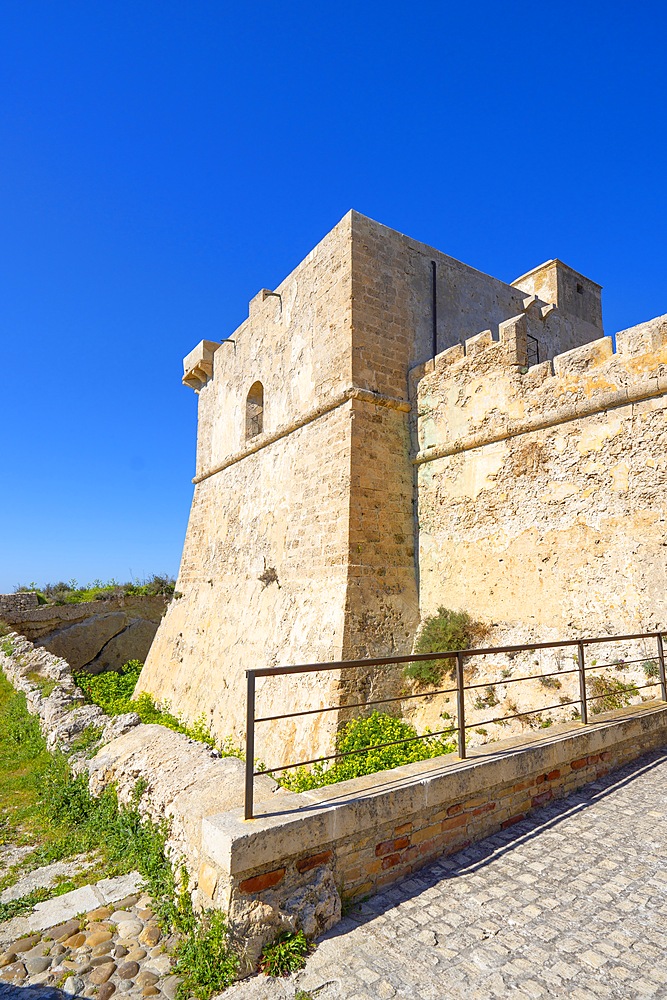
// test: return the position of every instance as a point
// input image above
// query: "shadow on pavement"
(478, 855)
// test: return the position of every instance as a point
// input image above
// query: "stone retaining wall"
(11, 604)
(351, 839)
(98, 635)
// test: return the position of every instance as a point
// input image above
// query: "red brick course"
(257, 883)
(314, 861)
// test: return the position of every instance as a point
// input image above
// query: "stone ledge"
(309, 821)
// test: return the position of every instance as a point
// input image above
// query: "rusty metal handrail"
(460, 689)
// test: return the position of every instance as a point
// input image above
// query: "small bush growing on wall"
(445, 632)
(606, 694)
(651, 668)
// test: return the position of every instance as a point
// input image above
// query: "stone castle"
(391, 430)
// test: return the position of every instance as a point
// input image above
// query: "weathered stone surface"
(62, 931)
(136, 954)
(26, 943)
(98, 937)
(13, 973)
(146, 978)
(159, 964)
(35, 965)
(128, 970)
(80, 643)
(44, 877)
(314, 907)
(73, 985)
(106, 991)
(553, 481)
(37, 622)
(76, 940)
(102, 973)
(170, 986)
(133, 643)
(150, 935)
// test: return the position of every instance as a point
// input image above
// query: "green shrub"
(87, 741)
(651, 669)
(488, 699)
(606, 694)
(446, 631)
(285, 955)
(72, 593)
(113, 692)
(39, 796)
(550, 682)
(364, 735)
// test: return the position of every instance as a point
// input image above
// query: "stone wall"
(264, 567)
(97, 635)
(10, 604)
(540, 490)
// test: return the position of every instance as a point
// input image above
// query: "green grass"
(364, 735)
(45, 684)
(204, 958)
(285, 955)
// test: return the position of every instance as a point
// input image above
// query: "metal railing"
(461, 727)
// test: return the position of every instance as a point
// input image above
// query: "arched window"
(254, 411)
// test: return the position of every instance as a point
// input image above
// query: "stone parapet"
(481, 391)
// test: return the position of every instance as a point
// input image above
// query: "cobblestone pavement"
(571, 902)
(112, 951)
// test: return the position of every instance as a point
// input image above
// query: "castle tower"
(300, 546)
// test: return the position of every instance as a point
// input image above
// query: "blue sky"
(161, 162)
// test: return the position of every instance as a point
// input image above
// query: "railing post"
(661, 666)
(460, 706)
(582, 682)
(250, 744)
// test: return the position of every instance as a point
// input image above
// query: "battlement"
(483, 390)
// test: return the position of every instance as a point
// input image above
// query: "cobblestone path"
(569, 903)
